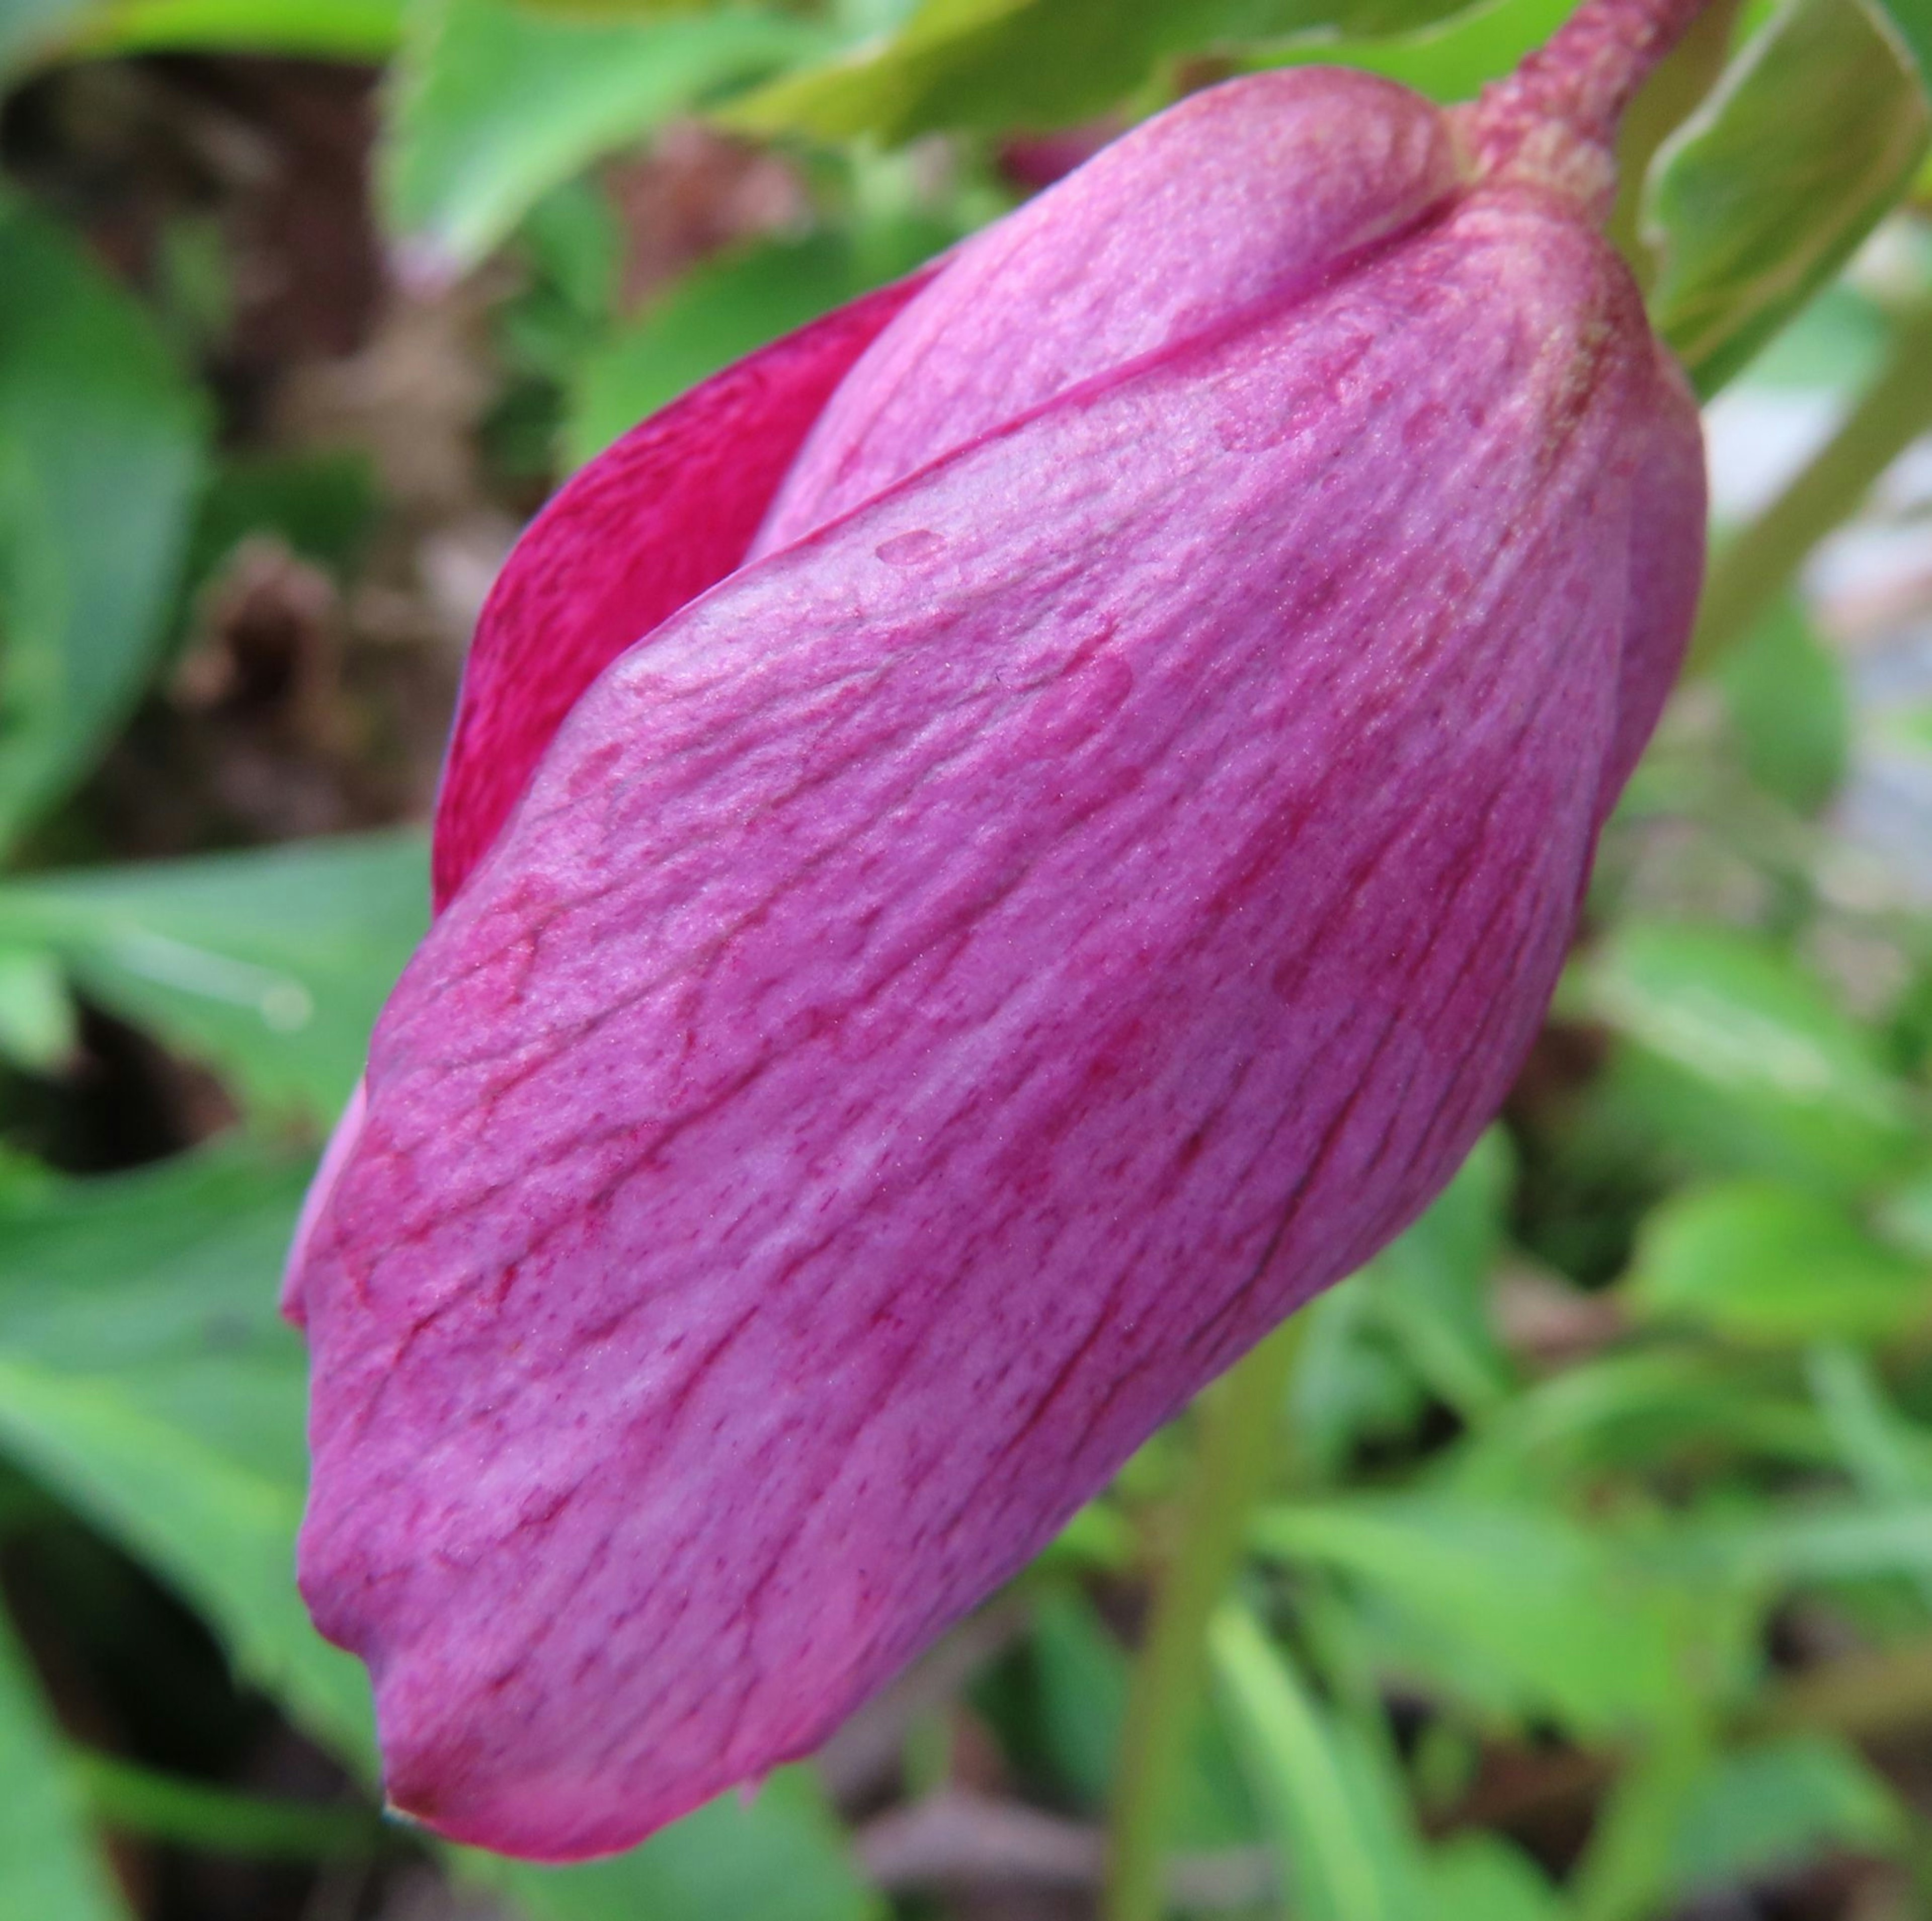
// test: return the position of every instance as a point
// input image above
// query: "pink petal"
(647, 526)
(959, 986)
(1241, 195)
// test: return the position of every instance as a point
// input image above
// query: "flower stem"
(1752, 568)
(1556, 117)
(1239, 1417)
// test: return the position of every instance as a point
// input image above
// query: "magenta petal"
(959, 985)
(1242, 195)
(647, 526)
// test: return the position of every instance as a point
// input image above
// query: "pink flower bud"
(1051, 804)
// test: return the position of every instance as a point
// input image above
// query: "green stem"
(1753, 567)
(1239, 1417)
(134, 1799)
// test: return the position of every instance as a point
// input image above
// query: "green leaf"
(1739, 1060)
(724, 310)
(101, 457)
(1517, 1608)
(1452, 60)
(146, 1379)
(1812, 134)
(996, 64)
(1889, 1458)
(1823, 1545)
(51, 1868)
(1768, 1809)
(1786, 690)
(1430, 1287)
(38, 1027)
(1080, 1682)
(163, 1282)
(338, 29)
(1343, 1826)
(494, 106)
(270, 965)
(781, 1857)
(1639, 1413)
(221, 1532)
(619, 10)
(1913, 20)
(1476, 1877)
(1762, 1262)
(1625, 1870)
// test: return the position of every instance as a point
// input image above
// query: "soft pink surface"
(978, 968)
(647, 526)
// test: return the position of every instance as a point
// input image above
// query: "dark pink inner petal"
(646, 527)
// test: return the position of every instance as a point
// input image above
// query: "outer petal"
(647, 526)
(1244, 195)
(941, 1000)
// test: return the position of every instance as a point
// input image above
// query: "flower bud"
(1051, 805)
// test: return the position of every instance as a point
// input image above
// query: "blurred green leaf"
(39, 1029)
(163, 1281)
(1080, 1673)
(219, 1531)
(1625, 1870)
(1812, 134)
(270, 965)
(1762, 1262)
(1343, 1826)
(51, 1867)
(1638, 1412)
(1080, 1682)
(606, 10)
(101, 457)
(1452, 60)
(1822, 1545)
(493, 106)
(340, 29)
(1840, 339)
(145, 1379)
(1354, 1388)
(780, 1857)
(1888, 1457)
(725, 309)
(1430, 1286)
(1786, 690)
(1524, 1608)
(1761, 1810)
(1478, 1878)
(323, 507)
(1913, 20)
(997, 64)
(1740, 1061)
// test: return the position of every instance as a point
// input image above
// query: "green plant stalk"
(134, 1799)
(1239, 1417)
(1751, 568)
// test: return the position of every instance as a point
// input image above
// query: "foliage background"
(1584, 1540)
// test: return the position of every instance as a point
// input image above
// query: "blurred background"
(1583, 1544)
